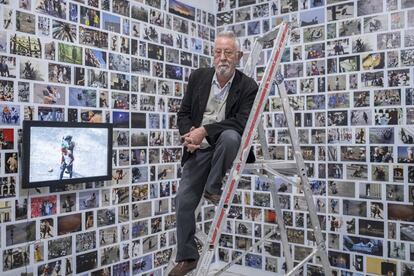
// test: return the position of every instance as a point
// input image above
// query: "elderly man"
(211, 120)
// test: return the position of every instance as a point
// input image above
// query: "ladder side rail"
(249, 67)
(238, 164)
(282, 227)
(320, 241)
(262, 140)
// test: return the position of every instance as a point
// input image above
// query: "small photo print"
(88, 199)
(32, 69)
(90, 17)
(339, 12)
(20, 233)
(70, 53)
(87, 261)
(106, 217)
(369, 7)
(43, 206)
(64, 31)
(11, 162)
(60, 73)
(69, 224)
(16, 257)
(372, 79)
(67, 203)
(398, 78)
(97, 79)
(364, 43)
(372, 61)
(43, 7)
(312, 17)
(48, 94)
(389, 40)
(8, 66)
(387, 97)
(381, 135)
(95, 58)
(82, 97)
(10, 114)
(6, 138)
(50, 114)
(181, 9)
(405, 154)
(27, 46)
(375, 24)
(388, 116)
(85, 241)
(7, 90)
(119, 63)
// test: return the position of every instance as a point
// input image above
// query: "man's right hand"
(186, 142)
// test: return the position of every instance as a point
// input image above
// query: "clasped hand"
(192, 139)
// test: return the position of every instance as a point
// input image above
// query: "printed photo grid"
(348, 71)
(120, 61)
(349, 79)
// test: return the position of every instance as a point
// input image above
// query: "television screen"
(65, 153)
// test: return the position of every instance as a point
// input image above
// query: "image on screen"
(60, 153)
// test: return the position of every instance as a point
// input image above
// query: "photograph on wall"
(28, 46)
(32, 69)
(8, 67)
(64, 31)
(181, 9)
(49, 94)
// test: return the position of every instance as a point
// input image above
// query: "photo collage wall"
(348, 71)
(117, 61)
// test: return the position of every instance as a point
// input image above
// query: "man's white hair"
(231, 35)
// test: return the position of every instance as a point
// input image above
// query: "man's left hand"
(196, 136)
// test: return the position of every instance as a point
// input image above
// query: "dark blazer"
(238, 105)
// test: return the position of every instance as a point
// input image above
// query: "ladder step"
(283, 167)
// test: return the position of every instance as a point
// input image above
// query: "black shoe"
(182, 268)
(213, 199)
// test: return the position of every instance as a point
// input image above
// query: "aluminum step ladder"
(265, 168)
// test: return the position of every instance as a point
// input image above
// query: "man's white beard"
(223, 71)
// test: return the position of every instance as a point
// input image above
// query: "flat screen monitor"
(58, 153)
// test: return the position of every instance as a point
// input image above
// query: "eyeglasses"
(227, 52)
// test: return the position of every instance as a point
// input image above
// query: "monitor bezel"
(27, 126)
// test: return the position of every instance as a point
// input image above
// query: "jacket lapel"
(204, 92)
(233, 93)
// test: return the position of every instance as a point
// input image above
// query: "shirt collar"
(228, 83)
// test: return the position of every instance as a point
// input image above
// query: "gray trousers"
(204, 170)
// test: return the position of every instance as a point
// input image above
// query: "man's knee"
(184, 202)
(230, 138)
